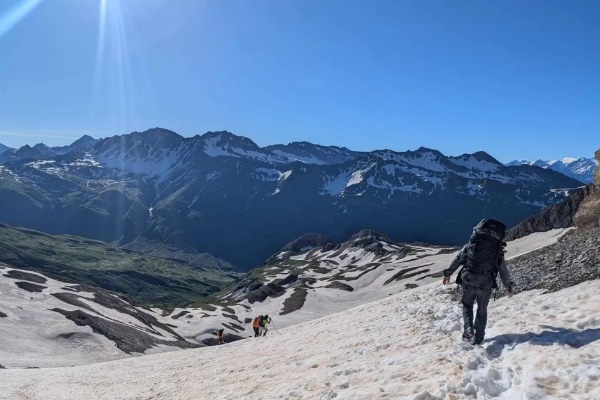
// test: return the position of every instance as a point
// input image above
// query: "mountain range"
(365, 318)
(581, 169)
(222, 194)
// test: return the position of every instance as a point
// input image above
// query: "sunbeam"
(114, 81)
(13, 16)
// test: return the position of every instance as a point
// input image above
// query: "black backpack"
(485, 250)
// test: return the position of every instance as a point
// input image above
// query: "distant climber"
(221, 336)
(264, 325)
(482, 258)
(256, 325)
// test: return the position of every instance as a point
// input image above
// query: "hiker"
(482, 258)
(256, 325)
(221, 336)
(264, 322)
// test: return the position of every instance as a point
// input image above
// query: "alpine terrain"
(362, 318)
(224, 196)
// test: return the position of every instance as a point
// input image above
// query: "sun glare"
(14, 15)
(113, 76)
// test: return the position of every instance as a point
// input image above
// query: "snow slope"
(115, 329)
(407, 346)
(371, 278)
(36, 331)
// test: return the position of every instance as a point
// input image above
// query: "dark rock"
(404, 273)
(561, 215)
(30, 287)
(341, 286)
(25, 276)
(295, 301)
(588, 215)
(310, 240)
(2, 315)
(179, 315)
(570, 261)
(127, 338)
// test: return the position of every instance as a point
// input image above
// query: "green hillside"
(149, 281)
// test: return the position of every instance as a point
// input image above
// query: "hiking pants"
(482, 296)
(256, 332)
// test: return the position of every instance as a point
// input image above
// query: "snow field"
(403, 347)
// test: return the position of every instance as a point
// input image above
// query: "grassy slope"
(144, 279)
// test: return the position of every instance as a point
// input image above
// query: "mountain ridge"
(211, 192)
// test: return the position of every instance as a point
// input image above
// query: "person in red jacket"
(256, 325)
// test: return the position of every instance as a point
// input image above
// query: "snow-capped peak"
(581, 168)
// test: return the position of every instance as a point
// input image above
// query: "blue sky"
(518, 79)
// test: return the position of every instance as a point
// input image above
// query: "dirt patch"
(368, 268)
(270, 290)
(74, 289)
(341, 286)
(208, 307)
(2, 315)
(404, 273)
(30, 287)
(234, 327)
(114, 303)
(25, 276)
(179, 315)
(127, 339)
(411, 285)
(73, 300)
(320, 270)
(228, 310)
(247, 320)
(288, 280)
(434, 275)
(232, 316)
(295, 301)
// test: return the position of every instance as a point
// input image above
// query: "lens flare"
(13, 16)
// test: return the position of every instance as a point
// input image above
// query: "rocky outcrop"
(561, 215)
(581, 209)
(570, 261)
(308, 241)
(588, 215)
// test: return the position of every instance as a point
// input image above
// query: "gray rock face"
(561, 215)
(573, 259)
(588, 215)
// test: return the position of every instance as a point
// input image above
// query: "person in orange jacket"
(256, 325)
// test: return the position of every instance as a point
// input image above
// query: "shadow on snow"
(549, 336)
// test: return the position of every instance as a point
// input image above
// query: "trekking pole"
(274, 326)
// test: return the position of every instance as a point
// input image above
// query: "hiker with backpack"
(221, 335)
(482, 259)
(264, 322)
(256, 325)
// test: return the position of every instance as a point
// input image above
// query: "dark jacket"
(461, 259)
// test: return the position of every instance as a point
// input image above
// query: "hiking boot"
(467, 336)
(477, 340)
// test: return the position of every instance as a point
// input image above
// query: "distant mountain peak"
(229, 138)
(581, 168)
(3, 148)
(305, 242)
(484, 156)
